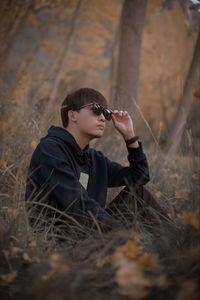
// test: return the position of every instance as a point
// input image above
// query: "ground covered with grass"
(134, 262)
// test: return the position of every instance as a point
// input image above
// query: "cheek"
(87, 122)
(88, 119)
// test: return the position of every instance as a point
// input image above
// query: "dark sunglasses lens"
(97, 109)
(107, 114)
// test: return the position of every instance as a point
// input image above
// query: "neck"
(81, 139)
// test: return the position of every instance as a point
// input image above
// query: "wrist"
(133, 141)
(129, 135)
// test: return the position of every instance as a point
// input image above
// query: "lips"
(101, 127)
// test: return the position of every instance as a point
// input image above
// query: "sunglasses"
(98, 110)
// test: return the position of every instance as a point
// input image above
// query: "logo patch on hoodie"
(84, 177)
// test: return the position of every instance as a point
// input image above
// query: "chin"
(96, 135)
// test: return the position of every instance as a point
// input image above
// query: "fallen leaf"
(158, 194)
(32, 243)
(185, 185)
(58, 263)
(48, 275)
(3, 125)
(3, 163)
(13, 213)
(181, 194)
(33, 20)
(132, 281)
(162, 281)
(6, 253)
(192, 219)
(33, 145)
(36, 259)
(100, 263)
(196, 176)
(147, 262)
(8, 278)
(175, 175)
(154, 186)
(126, 252)
(26, 257)
(15, 251)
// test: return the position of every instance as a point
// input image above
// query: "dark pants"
(137, 203)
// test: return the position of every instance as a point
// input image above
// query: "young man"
(69, 175)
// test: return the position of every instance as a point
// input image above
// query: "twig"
(56, 210)
(148, 126)
(96, 223)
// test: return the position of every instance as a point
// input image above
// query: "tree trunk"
(133, 15)
(12, 16)
(60, 65)
(185, 103)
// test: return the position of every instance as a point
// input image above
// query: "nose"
(101, 117)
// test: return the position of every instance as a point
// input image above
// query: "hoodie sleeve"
(54, 174)
(136, 174)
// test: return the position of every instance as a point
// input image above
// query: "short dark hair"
(79, 98)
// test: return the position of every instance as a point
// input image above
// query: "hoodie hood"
(59, 133)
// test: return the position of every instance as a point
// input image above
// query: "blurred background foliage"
(49, 48)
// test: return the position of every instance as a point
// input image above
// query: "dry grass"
(76, 262)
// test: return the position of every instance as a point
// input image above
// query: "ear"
(72, 115)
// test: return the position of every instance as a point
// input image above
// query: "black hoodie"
(56, 167)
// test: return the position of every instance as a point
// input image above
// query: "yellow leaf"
(196, 176)
(130, 265)
(147, 262)
(6, 253)
(26, 257)
(127, 252)
(33, 145)
(185, 185)
(32, 243)
(154, 186)
(15, 251)
(3, 163)
(3, 125)
(132, 281)
(100, 263)
(192, 219)
(158, 194)
(55, 260)
(9, 277)
(58, 263)
(36, 259)
(175, 175)
(13, 213)
(33, 20)
(181, 194)
(162, 281)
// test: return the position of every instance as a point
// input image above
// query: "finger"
(126, 114)
(115, 111)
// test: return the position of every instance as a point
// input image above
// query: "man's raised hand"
(123, 123)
